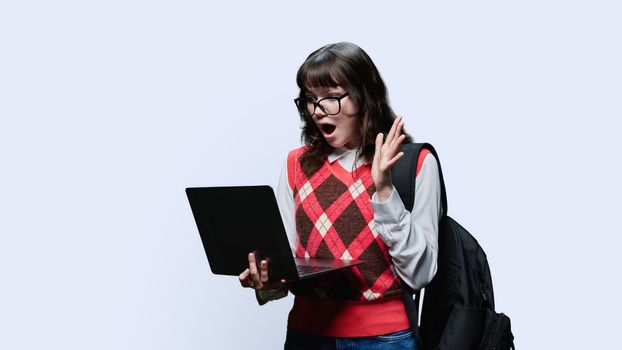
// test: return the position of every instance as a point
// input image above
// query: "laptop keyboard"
(305, 270)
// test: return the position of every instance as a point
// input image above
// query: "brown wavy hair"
(347, 65)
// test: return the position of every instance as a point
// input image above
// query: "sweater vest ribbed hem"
(338, 318)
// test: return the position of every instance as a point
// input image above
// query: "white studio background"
(109, 109)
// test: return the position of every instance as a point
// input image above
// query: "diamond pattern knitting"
(335, 219)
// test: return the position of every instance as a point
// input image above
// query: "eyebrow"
(329, 92)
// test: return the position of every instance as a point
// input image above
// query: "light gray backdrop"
(109, 109)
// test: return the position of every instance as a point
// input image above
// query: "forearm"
(411, 243)
(412, 237)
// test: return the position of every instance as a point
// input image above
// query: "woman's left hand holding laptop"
(257, 278)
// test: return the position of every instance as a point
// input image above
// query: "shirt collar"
(341, 152)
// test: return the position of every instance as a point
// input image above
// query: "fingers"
(394, 159)
(387, 150)
(398, 134)
(244, 281)
(263, 271)
(394, 139)
(398, 142)
(258, 278)
(265, 278)
(254, 274)
(393, 131)
(379, 138)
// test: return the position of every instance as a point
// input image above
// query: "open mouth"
(327, 128)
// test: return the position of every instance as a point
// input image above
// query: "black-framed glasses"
(329, 105)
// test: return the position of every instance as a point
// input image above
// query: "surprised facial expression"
(341, 129)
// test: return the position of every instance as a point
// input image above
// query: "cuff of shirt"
(389, 212)
(264, 296)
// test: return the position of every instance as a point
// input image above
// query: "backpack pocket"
(497, 332)
(463, 329)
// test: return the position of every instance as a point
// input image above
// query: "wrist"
(384, 192)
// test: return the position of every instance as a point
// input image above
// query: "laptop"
(235, 221)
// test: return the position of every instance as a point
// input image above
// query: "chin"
(336, 144)
(339, 142)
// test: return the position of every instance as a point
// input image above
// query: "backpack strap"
(412, 308)
(405, 170)
(403, 176)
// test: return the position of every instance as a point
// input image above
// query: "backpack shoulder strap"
(403, 176)
(404, 172)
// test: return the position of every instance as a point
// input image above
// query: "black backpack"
(458, 306)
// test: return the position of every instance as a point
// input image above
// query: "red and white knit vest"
(335, 219)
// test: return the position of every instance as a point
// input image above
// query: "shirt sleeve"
(285, 201)
(412, 237)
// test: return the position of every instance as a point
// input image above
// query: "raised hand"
(258, 278)
(386, 155)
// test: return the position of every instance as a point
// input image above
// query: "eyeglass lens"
(329, 105)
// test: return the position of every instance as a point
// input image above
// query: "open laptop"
(235, 221)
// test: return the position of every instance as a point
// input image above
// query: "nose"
(319, 112)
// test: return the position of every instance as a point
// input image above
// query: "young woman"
(337, 201)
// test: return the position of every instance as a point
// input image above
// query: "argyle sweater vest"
(335, 219)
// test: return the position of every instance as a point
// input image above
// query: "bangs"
(319, 72)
